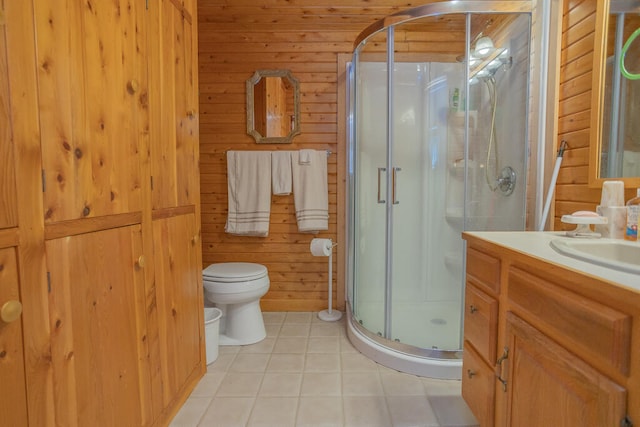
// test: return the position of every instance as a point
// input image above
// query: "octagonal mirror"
(273, 106)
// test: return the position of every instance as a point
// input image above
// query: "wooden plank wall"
(574, 112)
(237, 37)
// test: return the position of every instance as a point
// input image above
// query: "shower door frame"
(467, 8)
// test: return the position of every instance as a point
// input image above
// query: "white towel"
(305, 156)
(281, 173)
(311, 192)
(249, 183)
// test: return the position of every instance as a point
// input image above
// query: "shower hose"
(491, 86)
(625, 48)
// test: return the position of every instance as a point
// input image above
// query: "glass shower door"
(370, 184)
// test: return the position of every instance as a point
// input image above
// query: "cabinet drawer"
(578, 323)
(481, 322)
(478, 386)
(484, 269)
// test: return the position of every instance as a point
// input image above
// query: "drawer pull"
(470, 373)
(473, 308)
(505, 356)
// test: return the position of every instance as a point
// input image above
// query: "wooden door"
(173, 122)
(98, 330)
(180, 317)
(13, 404)
(549, 386)
(91, 80)
(8, 211)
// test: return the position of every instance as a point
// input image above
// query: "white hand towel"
(249, 184)
(305, 156)
(311, 192)
(281, 173)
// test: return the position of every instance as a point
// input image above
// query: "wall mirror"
(615, 123)
(273, 106)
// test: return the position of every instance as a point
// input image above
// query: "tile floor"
(307, 373)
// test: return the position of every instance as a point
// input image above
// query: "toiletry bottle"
(633, 209)
(455, 99)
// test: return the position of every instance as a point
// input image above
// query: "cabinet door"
(8, 213)
(173, 130)
(98, 329)
(13, 404)
(91, 80)
(177, 297)
(549, 386)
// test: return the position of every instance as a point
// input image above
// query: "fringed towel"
(281, 173)
(310, 191)
(249, 183)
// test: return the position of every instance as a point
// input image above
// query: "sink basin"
(615, 254)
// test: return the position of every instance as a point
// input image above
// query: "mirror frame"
(251, 128)
(597, 100)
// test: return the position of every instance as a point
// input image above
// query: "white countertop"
(536, 244)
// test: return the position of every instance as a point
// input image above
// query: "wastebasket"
(212, 332)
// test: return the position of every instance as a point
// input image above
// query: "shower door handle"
(393, 185)
(380, 170)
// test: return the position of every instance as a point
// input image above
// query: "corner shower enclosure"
(438, 104)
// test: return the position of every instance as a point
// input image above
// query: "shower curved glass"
(438, 104)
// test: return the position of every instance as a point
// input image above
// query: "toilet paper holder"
(324, 247)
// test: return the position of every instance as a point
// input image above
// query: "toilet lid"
(234, 272)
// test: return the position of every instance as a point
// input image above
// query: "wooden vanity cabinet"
(562, 350)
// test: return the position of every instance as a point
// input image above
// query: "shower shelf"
(454, 217)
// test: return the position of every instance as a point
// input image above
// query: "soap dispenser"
(633, 209)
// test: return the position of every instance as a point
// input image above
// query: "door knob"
(141, 262)
(10, 311)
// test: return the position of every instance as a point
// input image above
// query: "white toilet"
(236, 288)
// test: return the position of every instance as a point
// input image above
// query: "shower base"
(429, 363)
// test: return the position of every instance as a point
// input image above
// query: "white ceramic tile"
(286, 362)
(272, 329)
(326, 329)
(323, 345)
(281, 384)
(227, 412)
(401, 384)
(239, 385)
(222, 363)
(273, 317)
(264, 346)
(357, 362)
(361, 384)
(298, 317)
(346, 346)
(436, 387)
(411, 411)
(208, 385)
(322, 362)
(370, 411)
(295, 330)
(320, 412)
(274, 412)
(191, 412)
(321, 384)
(290, 345)
(452, 411)
(249, 362)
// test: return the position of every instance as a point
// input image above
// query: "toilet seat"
(233, 272)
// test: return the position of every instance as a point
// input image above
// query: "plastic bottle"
(455, 99)
(633, 211)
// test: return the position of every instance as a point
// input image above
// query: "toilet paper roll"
(321, 247)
